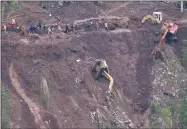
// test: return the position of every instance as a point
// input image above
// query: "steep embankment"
(169, 88)
(85, 103)
(77, 100)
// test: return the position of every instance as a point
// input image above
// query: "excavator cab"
(155, 18)
(99, 68)
(172, 30)
(158, 16)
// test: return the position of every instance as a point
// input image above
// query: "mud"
(125, 47)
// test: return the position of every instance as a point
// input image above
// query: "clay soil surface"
(126, 50)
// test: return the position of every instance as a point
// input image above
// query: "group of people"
(31, 28)
(12, 25)
(34, 28)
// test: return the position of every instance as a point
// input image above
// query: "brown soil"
(126, 50)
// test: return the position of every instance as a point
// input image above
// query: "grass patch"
(172, 107)
(183, 115)
(44, 92)
(184, 54)
(185, 42)
(5, 109)
(183, 107)
(166, 116)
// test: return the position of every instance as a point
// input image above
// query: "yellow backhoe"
(155, 18)
(101, 69)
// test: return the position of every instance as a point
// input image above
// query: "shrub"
(44, 92)
(5, 109)
(185, 42)
(153, 107)
(13, 4)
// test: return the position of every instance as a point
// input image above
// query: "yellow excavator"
(155, 18)
(101, 69)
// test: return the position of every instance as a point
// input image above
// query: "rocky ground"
(85, 103)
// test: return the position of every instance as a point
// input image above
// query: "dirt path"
(99, 18)
(115, 9)
(34, 109)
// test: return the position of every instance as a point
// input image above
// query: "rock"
(58, 37)
(35, 36)
(60, 3)
(131, 125)
(73, 51)
(128, 122)
(24, 41)
(172, 94)
(78, 60)
(72, 68)
(52, 5)
(37, 61)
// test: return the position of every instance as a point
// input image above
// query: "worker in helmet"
(49, 32)
(5, 28)
(13, 23)
(59, 23)
(66, 28)
(106, 26)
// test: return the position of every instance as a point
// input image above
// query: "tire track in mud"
(39, 116)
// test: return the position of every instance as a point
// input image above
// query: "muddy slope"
(84, 103)
(128, 64)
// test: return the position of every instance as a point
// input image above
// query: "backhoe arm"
(161, 43)
(110, 79)
(149, 17)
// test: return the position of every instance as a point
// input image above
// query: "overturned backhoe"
(101, 69)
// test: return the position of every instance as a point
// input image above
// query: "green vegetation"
(166, 116)
(160, 117)
(184, 54)
(183, 115)
(183, 93)
(172, 107)
(153, 107)
(5, 109)
(183, 107)
(13, 4)
(44, 92)
(185, 42)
